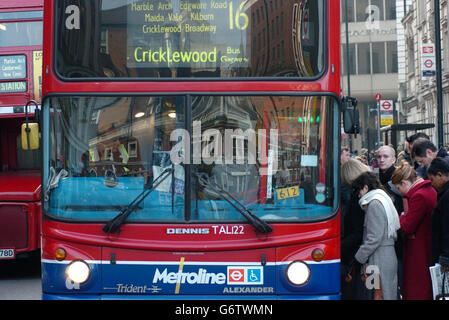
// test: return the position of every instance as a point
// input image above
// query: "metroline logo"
(235, 276)
(200, 277)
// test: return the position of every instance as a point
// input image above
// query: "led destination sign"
(190, 38)
(12, 67)
(188, 33)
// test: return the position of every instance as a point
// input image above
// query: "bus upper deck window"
(191, 39)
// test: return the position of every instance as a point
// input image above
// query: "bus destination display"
(12, 67)
(188, 33)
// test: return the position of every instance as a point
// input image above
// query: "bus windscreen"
(263, 153)
(190, 39)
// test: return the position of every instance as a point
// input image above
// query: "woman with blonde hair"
(419, 200)
(351, 169)
(352, 217)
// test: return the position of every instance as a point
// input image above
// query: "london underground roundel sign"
(386, 105)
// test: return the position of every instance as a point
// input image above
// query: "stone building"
(418, 93)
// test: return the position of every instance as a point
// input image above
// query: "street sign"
(378, 96)
(428, 60)
(386, 120)
(386, 112)
(386, 105)
(428, 63)
(427, 50)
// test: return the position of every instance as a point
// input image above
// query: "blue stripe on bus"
(159, 281)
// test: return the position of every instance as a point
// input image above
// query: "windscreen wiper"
(115, 223)
(259, 224)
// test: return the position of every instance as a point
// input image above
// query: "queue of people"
(395, 223)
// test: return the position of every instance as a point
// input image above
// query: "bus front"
(190, 150)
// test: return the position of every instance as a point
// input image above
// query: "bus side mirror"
(351, 117)
(30, 131)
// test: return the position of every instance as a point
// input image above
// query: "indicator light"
(60, 254)
(318, 255)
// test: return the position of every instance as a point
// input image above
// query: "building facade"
(371, 61)
(418, 93)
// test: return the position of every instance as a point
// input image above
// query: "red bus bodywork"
(148, 242)
(20, 206)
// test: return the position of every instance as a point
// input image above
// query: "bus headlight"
(298, 273)
(78, 271)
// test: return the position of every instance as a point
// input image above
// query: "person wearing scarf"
(419, 201)
(379, 234)
(387, 160)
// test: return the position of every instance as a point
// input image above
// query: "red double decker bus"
(191, 149)
(20, 81)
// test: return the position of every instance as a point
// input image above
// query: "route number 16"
(239, 15)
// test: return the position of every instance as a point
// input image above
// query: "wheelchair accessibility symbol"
(245, 275)
(254, 275)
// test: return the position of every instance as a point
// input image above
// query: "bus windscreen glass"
(267, 153)
(190, 38)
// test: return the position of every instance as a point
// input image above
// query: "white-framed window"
(445, 64)
(108, 155)
(410, 56)
(446, 118)
(421, 11)
(132, 149)
(358, 10)
(371, 58)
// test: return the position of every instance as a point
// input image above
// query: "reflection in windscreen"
(269, 154)
(190, 38)
(263, 151)
(112, 148)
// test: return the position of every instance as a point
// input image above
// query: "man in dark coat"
(424, 151)
(407, 153)
(386, 161)
(438, 173)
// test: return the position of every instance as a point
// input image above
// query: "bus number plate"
(289, 192)
(7, 253)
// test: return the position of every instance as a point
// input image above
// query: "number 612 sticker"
(289, 192)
